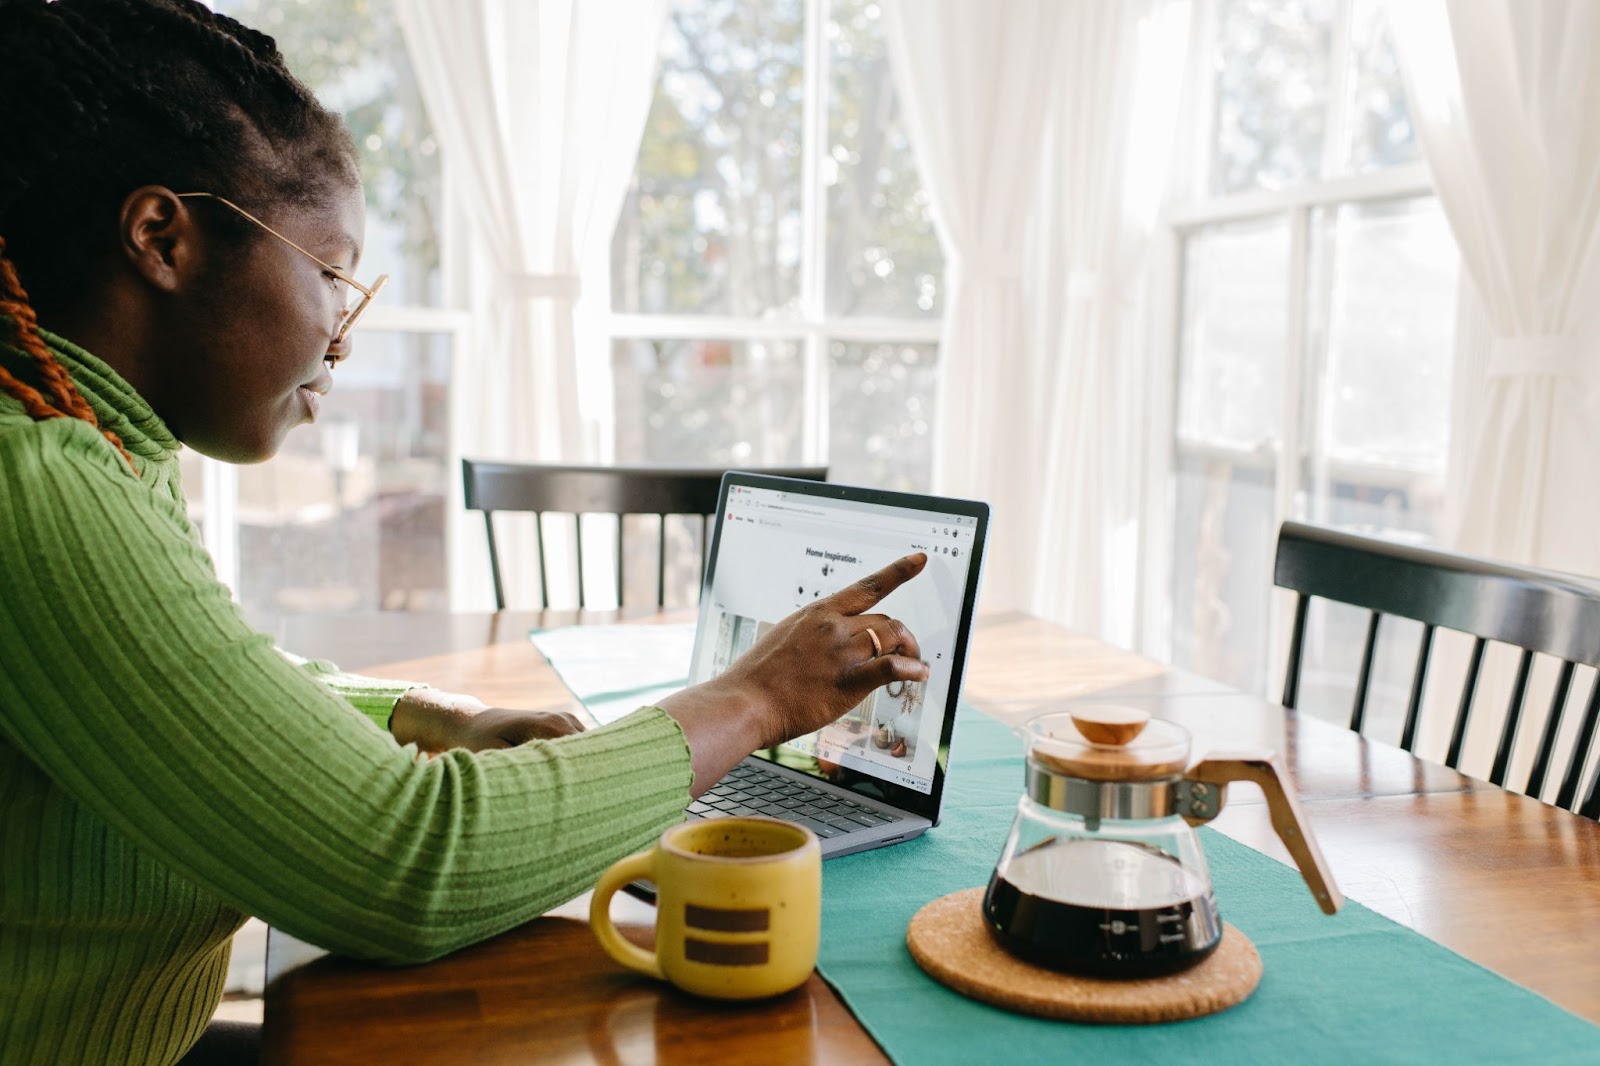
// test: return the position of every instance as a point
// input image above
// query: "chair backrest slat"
(1358, 712)
(544, 570)
(1508, 730)
(577, 545)
(1552, 729)
(622, 553)
(1580, 748)
(1297, 640)
(661, 562)
(1591, 804)
(1469, 689)
(1419, 679)
(705, 549)
(1590, 808)
(494, 561)
(1540, 612)
(566, 489)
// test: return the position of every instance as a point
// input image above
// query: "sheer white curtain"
(975, 81)
(1043, 141)
(1503, 94)
(539, 106)
(1107, 157)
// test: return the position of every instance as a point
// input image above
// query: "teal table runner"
(1352, 988)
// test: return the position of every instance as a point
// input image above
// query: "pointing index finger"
(864, 594)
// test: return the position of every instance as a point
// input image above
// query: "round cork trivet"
(949, 940)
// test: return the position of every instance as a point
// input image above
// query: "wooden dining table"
(1506, 881)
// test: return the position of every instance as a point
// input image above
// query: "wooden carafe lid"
(1108, 742)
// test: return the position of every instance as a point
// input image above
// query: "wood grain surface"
(1507, 881)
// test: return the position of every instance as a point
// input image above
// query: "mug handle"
(633, 868)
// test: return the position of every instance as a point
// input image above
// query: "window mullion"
(1392, 183)
(1197, 134)
(1290, 443)
(1336, 131)
(813, 143)
(1315, 401)
(1158, 543)
(219, 518)
(814, 228)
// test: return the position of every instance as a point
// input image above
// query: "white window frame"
(1303, 366)
(811, 326)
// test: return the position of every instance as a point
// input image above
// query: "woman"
(180, 219)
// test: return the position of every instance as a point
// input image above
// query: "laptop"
(876, 776)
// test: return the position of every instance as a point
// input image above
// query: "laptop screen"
(781, 544)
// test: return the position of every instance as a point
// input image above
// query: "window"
(776, 279)
(1316, 306)
(350, 516)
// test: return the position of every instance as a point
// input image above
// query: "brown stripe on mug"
(727, 919)
(718, 954)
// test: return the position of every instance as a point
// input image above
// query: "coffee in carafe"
(1053, 909)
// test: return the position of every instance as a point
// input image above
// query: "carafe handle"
(1261, 768)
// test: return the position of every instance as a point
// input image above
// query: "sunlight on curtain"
(973, 78)
(539, 106)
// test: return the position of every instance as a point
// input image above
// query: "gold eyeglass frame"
(350, 313)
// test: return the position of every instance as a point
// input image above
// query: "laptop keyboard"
(754, 790)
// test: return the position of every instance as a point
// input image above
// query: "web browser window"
(778, 551)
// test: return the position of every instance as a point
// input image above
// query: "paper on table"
(614, 670)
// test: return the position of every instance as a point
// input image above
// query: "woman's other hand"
(499, 727)
(440, 721)
(802, 674)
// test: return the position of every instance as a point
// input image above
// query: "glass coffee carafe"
(1103, 872)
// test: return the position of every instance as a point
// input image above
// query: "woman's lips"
(312, 400)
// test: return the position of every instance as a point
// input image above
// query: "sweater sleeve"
(131, 679)
(372, 696)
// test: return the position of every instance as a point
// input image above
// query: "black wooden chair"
(545, 489)
(1539, 611)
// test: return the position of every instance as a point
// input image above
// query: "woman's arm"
(131, 679)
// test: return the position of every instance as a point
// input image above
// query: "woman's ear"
(159, 236)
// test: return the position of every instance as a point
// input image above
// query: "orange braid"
(68, 401)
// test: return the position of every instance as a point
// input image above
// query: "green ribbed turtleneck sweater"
(165, 771)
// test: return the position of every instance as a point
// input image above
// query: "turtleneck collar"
(118, 407)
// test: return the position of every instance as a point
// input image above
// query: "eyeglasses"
(352, 311)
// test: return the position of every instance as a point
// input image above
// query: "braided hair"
(104, 96)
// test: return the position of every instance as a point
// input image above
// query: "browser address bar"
(813, 512)
(830, 521)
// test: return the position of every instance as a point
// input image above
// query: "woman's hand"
(498, 727)
(821, 661)
(439, 721)
(802, 674)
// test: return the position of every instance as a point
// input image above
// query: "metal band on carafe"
(1160, 797)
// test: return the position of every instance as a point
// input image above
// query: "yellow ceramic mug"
(738, 907)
